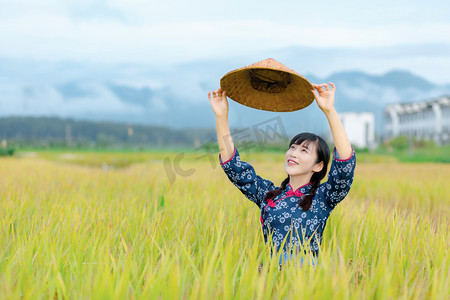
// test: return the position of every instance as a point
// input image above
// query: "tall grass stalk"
(70, 231)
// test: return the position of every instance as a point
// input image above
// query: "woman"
(293, 215)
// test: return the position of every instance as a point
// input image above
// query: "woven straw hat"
(268, 85)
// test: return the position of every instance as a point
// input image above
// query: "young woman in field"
(294, 214)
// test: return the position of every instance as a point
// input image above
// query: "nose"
(291, 153)
(294, 154)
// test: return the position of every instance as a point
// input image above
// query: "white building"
(360, 128)
(423, 120)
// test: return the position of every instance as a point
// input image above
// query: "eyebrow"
(306, 147)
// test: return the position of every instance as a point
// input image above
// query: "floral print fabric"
(281, 218)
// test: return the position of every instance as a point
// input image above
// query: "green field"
(112, 226)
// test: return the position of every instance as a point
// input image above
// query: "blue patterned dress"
(281, 218)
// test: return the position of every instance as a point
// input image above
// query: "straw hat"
(268, 85)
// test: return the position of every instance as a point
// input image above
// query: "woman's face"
(301, 159)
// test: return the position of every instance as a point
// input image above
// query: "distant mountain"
(398, 79)
(176, 96)
(404, 80)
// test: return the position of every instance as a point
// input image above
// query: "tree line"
(53, 132)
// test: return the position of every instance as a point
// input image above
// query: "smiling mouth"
(291, 162)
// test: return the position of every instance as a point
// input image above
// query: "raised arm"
(219, 104)
(325, 100)
(241, 173)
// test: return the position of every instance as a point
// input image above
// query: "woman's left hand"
(324, 96)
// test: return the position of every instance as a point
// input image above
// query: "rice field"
(113, 226)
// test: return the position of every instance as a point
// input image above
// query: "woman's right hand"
(219, 103)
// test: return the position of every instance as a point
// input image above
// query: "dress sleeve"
(340, 178)
(243, 176)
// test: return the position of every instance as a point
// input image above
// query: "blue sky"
(164, 32)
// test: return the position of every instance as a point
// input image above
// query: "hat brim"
(297, 94)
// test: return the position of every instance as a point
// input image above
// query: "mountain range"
(176, 96)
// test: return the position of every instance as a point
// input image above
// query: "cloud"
(53, 35)
(169, 32)
(47, 100)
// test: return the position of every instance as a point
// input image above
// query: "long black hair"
(323, 155)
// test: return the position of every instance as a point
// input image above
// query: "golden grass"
(69, 231)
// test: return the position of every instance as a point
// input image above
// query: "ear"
(318, 167)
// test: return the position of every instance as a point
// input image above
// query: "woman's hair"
(323, 155)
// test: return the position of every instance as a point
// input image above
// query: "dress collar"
(300, 191)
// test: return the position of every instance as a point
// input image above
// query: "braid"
(306, 201)
(273, 193)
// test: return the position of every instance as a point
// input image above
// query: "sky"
(175, 31)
